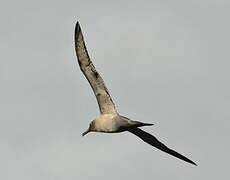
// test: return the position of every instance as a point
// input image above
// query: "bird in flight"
(109, 120)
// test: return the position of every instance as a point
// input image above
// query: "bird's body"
(114, 123)
(107, 123)
(109, 120)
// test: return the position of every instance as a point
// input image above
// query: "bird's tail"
(140, 124)
(135, 124)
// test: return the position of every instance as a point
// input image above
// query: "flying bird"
(109, 120)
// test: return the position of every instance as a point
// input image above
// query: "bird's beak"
(86, 132)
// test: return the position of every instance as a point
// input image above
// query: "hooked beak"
(86, 132)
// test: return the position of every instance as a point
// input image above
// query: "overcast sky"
(164, 62)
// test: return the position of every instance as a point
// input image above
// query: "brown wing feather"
(104, 100)
(153, 141)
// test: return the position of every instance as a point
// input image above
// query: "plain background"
(164, 62)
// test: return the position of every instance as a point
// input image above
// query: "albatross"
(109, 120)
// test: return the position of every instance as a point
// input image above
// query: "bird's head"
(90, 129)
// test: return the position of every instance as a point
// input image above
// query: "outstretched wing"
(150, 139)
(104, 100)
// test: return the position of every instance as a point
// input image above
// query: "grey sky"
(165, 62)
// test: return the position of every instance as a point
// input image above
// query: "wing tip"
(194, 163)
(189, 161)
(186, 159)
(77, 28)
